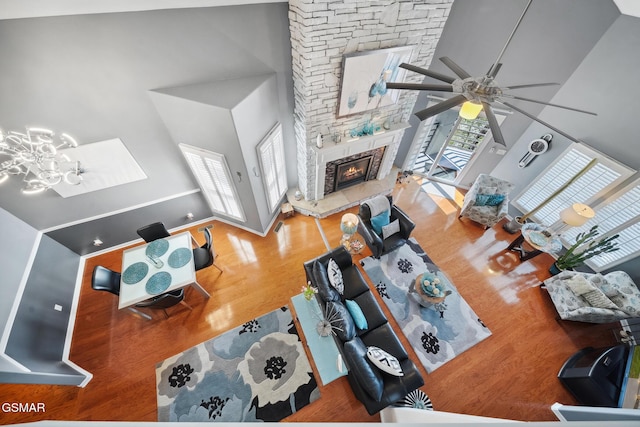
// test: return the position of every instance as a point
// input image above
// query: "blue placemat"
(323, 349)
(135, 273)
(158, 283)
(180, 257)
(157, 247)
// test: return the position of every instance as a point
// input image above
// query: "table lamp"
(349, 225)
(576, 215)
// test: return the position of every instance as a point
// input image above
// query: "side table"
(536, 237)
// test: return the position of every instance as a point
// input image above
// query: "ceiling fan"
(482, 91)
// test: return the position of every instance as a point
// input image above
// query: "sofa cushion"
(341, 321)
(390, 229)
(489, 199)
(385, 338)
(379, 221)
(384, 361)
(372, 311)
(321, 281)
(597, 298)
(356, 313)
(354, 283)
(335, 276)
(579, 285)
(367, 376)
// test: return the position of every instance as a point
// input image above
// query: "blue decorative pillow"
(379, 221)
(356, 312)
(489, 199)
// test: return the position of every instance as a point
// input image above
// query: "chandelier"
(35, 155)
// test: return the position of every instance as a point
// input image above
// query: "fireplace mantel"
(333, 151)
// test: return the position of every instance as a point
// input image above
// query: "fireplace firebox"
(353, 172)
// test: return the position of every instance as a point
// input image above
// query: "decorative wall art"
(365, 76)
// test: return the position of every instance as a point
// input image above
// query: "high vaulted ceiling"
(15, 9)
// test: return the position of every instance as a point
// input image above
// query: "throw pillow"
(321, 281)
(341, 321)
(579, 285)
(368, 377)
(379, 221)
(391, 229)
(596, 298)
(384, 361)
(601, 283)
(489, 199)
(335, 276)
(357, 314)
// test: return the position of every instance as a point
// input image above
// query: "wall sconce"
(97, 242)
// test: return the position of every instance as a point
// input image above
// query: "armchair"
(487, 201)
(385, 242)
(594, 298)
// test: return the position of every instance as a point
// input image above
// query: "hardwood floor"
(512, 374)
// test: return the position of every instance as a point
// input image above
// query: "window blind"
(619, 214)
(593, 184)
(272, 163)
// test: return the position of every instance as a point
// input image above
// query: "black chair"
(376, 243)
(205, 255)
(165, 301)
(104, 279)
(153, 232)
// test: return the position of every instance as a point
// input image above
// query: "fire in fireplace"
(353, 172)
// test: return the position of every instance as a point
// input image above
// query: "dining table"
(160, 266)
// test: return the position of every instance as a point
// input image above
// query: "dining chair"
(205, 255)
(104, 279)
(165, 301)
(152, 232)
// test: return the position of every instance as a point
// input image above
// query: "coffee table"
(428, 301)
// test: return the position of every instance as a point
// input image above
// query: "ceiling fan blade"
(419, 86)
(427, 73)
(440, 107)
(548, 103)
(532, 117)
(494, 125)
(455, 68)
(530, 85)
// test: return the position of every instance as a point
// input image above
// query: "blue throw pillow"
(379, 221)
(356, 313)
(489, 199)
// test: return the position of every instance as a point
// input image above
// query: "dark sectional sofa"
(374, 388)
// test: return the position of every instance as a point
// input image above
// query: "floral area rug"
(437, 333)
(258, 371)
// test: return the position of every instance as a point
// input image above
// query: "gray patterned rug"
(258, 371)
(437, 333)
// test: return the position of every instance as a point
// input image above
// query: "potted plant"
(587, 245)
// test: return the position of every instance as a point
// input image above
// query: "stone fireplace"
(352, 170)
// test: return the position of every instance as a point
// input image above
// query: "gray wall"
(91, 75)
(552, 40)
(37, 334)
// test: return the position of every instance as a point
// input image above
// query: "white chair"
(487, 201)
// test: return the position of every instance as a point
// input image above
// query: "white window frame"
(582, 190)
(618, 214)
(607, 202)
(272, 166)
(215, 180)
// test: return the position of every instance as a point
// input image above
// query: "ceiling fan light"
(470, 110)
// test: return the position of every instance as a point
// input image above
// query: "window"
(594, 184)
(274, 176)
(616, 212)
(619, 214)
(212, 173)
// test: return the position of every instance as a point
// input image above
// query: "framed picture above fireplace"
(364, 79)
